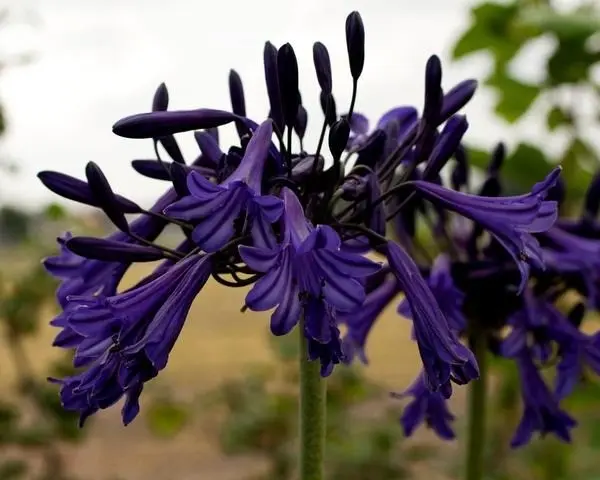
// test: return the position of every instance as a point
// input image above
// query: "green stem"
(312, 414)
(477, 410)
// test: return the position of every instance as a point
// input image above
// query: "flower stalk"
(313, 393)
(477, 408)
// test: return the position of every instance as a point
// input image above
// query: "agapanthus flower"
(214, 208)
(300, 226)
(541, 411)
(306, 274)
(428, 407)
(124, 340)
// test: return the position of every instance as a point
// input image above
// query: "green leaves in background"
(502, 30)
(558, 117)
(514, 98)
(493, 28)
(166, 417)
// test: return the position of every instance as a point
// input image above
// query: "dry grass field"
(217, 343)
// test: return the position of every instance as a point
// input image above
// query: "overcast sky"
(99, 60)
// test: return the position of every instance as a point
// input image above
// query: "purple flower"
(449, 297)
(214, 208)
(426, 406)
(569, 253)
(124, 340)
(444, 357)
(541, 412)
(306, 273)
(82, 276)
(511, 220)
(359, 324)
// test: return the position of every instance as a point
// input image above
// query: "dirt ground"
(216, 343)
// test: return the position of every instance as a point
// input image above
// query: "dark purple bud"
(457, 98)
(209, 147)
(272, 80)
(172, 148)
(287, 69)
(460, 173)
(161, 99)
(497, 159)
(338, 137)
(79, 191)
(592, 197)
(576, 314)
(433, 91)
(236, 92)
(322, 66)
(328, 107)
(152, 169)
(161, 124)
(447, 143)
(355, 41)
(179, 178)
(301, 122)
(491, 187)
(238, 102)
(105, 197)
(112, 250)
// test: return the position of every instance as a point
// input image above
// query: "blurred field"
(217, 343)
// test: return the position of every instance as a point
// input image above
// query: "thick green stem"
(312, 415)
(477, 411)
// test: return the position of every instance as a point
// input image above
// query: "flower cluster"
(296, 225)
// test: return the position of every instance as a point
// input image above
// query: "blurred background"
(225, 406)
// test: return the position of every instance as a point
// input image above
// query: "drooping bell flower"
(125, 339)
(426, 407)
(444, 357)
(306, 274)
(511, 220)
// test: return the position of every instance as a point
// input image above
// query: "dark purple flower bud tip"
(338, 137)
(433, 90)
(272, 80)
(161, 98)
(236, 92)
(355, 41)
(105, 197)
(287, 70)
(322, 66)
(498, 156)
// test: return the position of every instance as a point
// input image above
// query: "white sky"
(99, 60)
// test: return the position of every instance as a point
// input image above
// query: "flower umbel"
(300, 227)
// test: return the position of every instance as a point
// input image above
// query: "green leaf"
(493, 28)
(478, 157)
(557, 117)
(525, 166)
(580, 23)
(571, 62)
(514, 97)
(578, 161)
(55, 212)
(167, 418)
